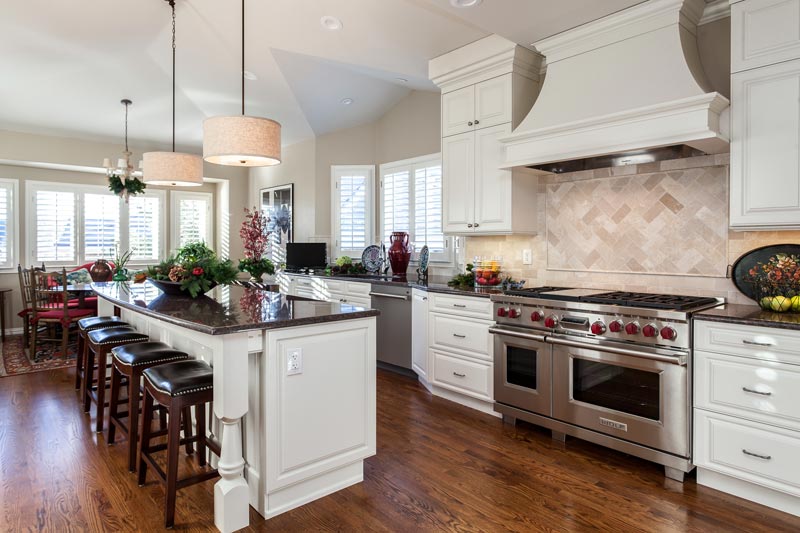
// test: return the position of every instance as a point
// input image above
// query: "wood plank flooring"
(439, 467)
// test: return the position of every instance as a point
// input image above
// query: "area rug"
(15, 359)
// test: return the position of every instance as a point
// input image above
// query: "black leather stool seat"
(97, 322)
(147, 353)
(116, 335)
(182, 377)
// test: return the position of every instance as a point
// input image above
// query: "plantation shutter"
(353, 209)
(6, 225)
(101, 225)
(55, 233)
(193, 220)
(144, 228)
(396, 203)
(428, 209)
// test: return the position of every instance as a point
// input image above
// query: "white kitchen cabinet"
(458, 111)
(458, 164)
(354, 293)
(764, 32)
(419, 335)
(746, 422)
(482, 105)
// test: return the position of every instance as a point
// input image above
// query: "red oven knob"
(668, 333)
(649, 330)
(598, 328)
(632, 328)
(502, 311)
(615, 326)
(536, 316)
(551, 321)
(514, 313)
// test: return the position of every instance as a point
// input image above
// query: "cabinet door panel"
(765, 139)
(492, 185)
(458, 111)
(458, 180)
(764, 32)
(419, 333)
(493, 102)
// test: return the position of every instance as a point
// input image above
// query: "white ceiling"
(66, 65)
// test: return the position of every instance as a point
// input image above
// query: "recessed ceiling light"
(330, 23)
(402, 80)
(249, 75)
(465, 3)
(347, 101)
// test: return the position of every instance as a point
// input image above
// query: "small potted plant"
(255, 238)
(120, 261)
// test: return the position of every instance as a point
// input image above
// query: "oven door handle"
(675, 360)
(517, 334)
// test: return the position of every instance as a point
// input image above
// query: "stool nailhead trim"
(175, 358)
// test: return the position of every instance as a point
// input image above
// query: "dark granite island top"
(750, 315)
(227, 309)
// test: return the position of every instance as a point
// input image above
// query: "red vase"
(399, 253)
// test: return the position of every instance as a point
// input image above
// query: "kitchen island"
(294, 388)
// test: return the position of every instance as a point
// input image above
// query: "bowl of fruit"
(488, 273)
(777, 283)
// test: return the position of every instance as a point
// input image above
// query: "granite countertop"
(429, 287)
(749, 315)
(227, 309)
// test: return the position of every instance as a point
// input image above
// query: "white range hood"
(626, 82)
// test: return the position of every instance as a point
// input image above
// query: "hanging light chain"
(172, 4)
(242, 58)
(126, 125)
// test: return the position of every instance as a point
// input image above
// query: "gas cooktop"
(674, 302)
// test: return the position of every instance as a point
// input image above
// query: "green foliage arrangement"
(463, 280)
(131, 187)
(196, 267)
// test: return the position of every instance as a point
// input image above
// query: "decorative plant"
(463, 280)
(196, 267)
(255, 237)
(778, 283)
(127, 188)
(120, 260)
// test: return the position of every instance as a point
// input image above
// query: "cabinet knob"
(477, 122)
(476, 224)
(469, 225)
(469, 123)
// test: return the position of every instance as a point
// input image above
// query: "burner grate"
(532, 291)
(652, 301)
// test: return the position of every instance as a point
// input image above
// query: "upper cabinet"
(765, 115)
(487, 88)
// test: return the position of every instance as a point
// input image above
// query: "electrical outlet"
(294, 362)
(527, 257)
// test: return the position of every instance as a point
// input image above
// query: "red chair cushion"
(25, 312)
(72, 315)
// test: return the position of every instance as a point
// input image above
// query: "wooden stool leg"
(79, 362)
(173, 448)
(133, 419)
(116, 378)
(144, 436)
(187, 429)
(88, 378)
(200, 415)
(102, 357)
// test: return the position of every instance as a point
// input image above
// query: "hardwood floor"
(439, 467)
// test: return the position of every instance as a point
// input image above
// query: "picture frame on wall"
(277, 203)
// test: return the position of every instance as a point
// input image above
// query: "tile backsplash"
(657, 227)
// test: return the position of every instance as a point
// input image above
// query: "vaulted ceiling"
(65, 66)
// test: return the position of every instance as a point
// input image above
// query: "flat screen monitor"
(305, 255)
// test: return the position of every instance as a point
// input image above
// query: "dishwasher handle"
(384, 295)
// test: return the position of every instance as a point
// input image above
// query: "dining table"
(81, 290)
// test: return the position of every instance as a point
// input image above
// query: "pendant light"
(241, 140)
(173, 168)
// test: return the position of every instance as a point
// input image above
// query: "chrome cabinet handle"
(459, 305)
(476, 224)
(752, 391)
(383, 295)
(469, 225)
(459, 375)
(751, 454)
(477, 122)
(754, 343)
(469, 123)
(456, 335)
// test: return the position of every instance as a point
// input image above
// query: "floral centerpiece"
(255, 238)
(777, 283)
(195, 269)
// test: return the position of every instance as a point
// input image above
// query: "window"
(8, 223)
(352, 210)
(75, 224)
(191, 218)
(411, 196)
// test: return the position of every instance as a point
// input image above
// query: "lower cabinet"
(746, 418)
(354, 293)
(419, 335)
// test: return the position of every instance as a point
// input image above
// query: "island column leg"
(231, 495)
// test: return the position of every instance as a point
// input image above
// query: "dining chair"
(26, 290)
(51, 308)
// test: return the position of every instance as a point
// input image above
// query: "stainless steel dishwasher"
(394, 324)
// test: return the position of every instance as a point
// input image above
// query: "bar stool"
(85, 325)
(129, 362)
(176, 386)
(98, 346)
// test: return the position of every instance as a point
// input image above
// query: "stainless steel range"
(613, 368)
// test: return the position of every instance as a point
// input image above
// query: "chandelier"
(123, 179)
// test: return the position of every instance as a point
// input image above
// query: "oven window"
(521, 367)
(618, 388)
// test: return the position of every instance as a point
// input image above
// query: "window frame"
(125, 235)
(337, 171)
(12, 225)
(175, 230)
(411, 165)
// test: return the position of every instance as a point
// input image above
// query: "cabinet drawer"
(761, 390)
(462, 305)
(781, 345)
(464, 334)
(335, 286)
(747, 450)
(467, 377)
(358, 288)
(764, 32)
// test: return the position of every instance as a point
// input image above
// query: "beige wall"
(20, 153)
